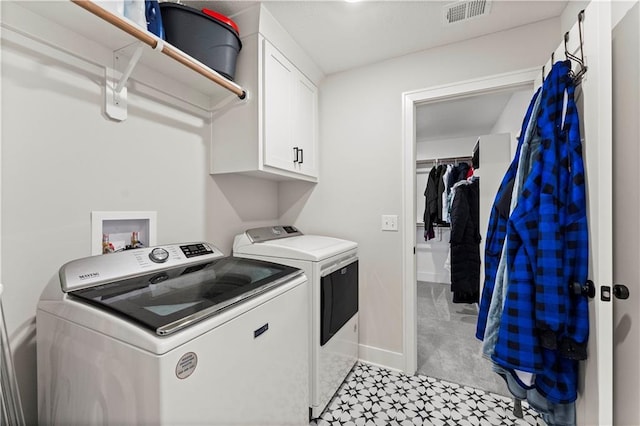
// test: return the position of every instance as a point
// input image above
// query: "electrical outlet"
(389, 222)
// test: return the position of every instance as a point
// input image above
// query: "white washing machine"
(173, 335)
(331, 265)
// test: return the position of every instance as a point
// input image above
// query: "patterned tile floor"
(372, 396)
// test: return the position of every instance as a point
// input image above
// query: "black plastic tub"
(208, 40)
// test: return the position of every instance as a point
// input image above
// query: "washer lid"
(175, 298)
(303, 247)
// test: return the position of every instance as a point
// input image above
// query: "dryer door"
(338, 299)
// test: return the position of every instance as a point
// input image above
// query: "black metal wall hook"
(576, 76)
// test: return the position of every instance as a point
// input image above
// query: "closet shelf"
(113, 31)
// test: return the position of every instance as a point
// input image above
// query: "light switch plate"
(389, 222)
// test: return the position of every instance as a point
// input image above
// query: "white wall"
(431, 256)
(61, 159)
(450, 147)
(510, 121)
(361, 157)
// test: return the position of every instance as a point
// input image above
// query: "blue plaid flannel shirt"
(497, 230)
(544, 328)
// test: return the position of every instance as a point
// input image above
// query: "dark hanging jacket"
(458, 173)
(442, 169)
(431, 204)
(465, 243)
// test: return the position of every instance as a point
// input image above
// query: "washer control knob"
(159, 255)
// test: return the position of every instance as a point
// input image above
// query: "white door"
(593, 97)
(626, 210)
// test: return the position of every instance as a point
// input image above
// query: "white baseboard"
(381, 357)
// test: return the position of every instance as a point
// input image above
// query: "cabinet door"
(305, 125)
(279, 94)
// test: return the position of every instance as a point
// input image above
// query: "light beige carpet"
(447, 346)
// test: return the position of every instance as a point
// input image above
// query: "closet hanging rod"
(443, 160)
(168, 50)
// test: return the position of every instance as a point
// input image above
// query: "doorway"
(448, 256)
(437, 96)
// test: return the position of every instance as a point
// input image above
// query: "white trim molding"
(381, 357)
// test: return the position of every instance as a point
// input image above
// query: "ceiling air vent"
(463, 10)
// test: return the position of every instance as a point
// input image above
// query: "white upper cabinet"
(290, 104)
(278, 137)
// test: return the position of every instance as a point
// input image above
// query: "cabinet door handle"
(301, 160)
(295, 154)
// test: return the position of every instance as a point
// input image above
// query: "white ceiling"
(471, 116)
(340, 35)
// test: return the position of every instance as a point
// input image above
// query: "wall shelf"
(115, 32)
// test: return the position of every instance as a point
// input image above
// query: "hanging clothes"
(459, 173)
(543, 327)
(445, 194)
(475, 156)
(431, 204)
(465, 242)
(528, 148)
(442, 170)
(469, 173)
(438, 194)
(433, 194)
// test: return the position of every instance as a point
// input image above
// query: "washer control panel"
(198, 249)
(266, 233)
(96, 270)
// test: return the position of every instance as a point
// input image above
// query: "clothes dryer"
(331, 266)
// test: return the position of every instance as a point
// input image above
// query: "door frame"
(485, 85)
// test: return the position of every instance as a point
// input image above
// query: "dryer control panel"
(266, 233)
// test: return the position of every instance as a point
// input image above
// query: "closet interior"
(463, 149)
